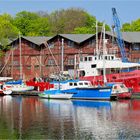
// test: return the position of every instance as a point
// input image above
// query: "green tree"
(136, 25)
(82, 30)
(32, 24)
(133, 26)
(126, 27)
(40, 27)
(7, 30)
(65, 21)
(23, 21)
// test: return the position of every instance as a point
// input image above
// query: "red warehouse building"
(31, 57)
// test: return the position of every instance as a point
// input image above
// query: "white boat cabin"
(72, 84)
(94, 65)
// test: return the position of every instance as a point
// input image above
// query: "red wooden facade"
(40, 60)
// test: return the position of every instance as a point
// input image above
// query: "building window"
(92, 42)
(51, 62)
(136, 47)
(70, 43)
(71, 61)
(15, 62)
(36, 66)
(32, 45)
(51, 45)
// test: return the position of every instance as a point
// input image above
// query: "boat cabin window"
(75, 84)
(82, 73)
(90, 59)
(93, 66)
(105, 57)
(122, 86)
(71, 84)
(81, 84)
(115, 87)
(81, 59)
(86, 83)
(85, 59)
(112, 57)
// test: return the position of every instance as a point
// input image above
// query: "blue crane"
(119, 35)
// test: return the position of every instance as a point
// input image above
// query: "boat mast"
(104, 52)
(62, 55)
(20, 56)
(12, 60)
(40, 63)
(97, 51)
(75, 66)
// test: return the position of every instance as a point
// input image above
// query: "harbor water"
(23, 117)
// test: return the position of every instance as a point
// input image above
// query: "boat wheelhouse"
(94, 65)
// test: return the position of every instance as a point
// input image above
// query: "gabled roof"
(38, 40)
(78, 38)
(132, 37)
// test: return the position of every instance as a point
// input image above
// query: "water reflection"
(35, 118)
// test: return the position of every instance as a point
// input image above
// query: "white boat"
(55, 94)
(21, 88)
(5, 90)
(119, 91)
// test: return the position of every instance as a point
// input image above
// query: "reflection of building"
(37, 58)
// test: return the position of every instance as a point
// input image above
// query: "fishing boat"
(116, 70)
(119, 91)
(77, 89)
(91, 68)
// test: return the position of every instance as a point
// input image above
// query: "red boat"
(39, 85)
(119, 91)
(92, 68)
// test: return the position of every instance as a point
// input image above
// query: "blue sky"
(127, 10)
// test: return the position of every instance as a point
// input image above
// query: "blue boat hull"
(99, 93)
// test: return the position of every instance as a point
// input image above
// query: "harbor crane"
(120, 41)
